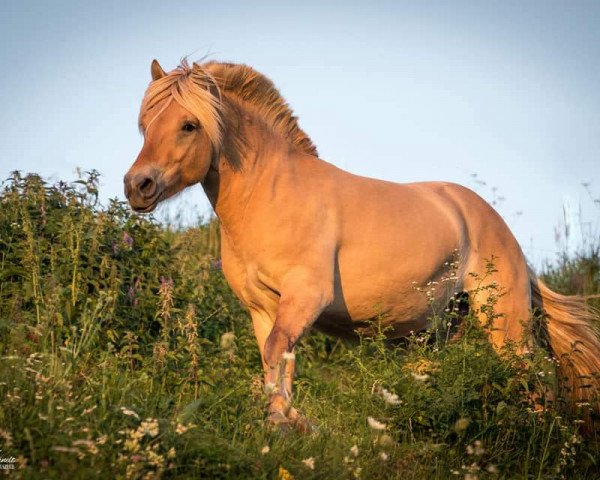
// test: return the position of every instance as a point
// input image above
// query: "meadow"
(124, 354)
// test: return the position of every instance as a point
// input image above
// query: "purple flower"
(218, 264)
(127, 239)
(132, 291)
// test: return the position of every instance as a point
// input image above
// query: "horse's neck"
(230, 189)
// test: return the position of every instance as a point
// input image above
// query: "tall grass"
(125, 355)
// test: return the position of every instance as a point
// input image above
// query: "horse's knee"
(278, 342)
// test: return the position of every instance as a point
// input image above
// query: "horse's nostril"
(147, 187)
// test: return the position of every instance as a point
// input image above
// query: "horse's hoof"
(277, 421)
(300, 422)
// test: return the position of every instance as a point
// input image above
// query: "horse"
(306, 244)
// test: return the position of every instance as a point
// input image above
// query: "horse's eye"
(189, 127)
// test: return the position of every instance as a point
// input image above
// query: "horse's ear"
(156, 70)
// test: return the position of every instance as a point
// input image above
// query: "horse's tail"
(573, 329)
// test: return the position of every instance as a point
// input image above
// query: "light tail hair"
(573, 331)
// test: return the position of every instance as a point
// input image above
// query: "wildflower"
(227, 340)
(181, 429)
(309, 463)
(266, 449)
(354, 450)
(149, 427)
(171, 453)
(60, 448)
(420, 377)
(90, 445)
(475, 449)
(492, 469)
(7, 436)
(270, 388)
(284, 474)
(461, 424)
(385, 440)
(129, 412)
(89, 410)
(375, 424)
(383, 456)
(390, 397)
(127, 239)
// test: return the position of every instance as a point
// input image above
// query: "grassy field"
(125, 355)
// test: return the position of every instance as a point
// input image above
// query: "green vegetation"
(125, 355)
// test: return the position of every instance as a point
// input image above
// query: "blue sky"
(404, 91)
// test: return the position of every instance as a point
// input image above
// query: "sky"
(502, 97)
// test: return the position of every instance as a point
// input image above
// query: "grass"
(125, 355)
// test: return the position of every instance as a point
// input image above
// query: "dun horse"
(306, 244)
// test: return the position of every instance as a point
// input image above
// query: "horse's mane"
(256, 89)
(200, 90)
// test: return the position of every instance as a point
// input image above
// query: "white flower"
(420, 377)
(390, 397)
(375, 424)
(129, 413)
(265, 450)
(269, 388)
(385, 440)
(181, 429)
(309, 463)
(383, 456)
(227, 340)
(149, 427)
(354, 450)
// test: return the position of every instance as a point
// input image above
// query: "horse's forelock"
(193, 89)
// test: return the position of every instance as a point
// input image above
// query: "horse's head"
(180, 121)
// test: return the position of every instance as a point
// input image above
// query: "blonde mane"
(201, 89)
(257, 90)
(194, 90)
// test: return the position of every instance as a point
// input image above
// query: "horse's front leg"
(303, 297)
(278, 387)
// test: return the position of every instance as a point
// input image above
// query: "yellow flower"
(284, 474)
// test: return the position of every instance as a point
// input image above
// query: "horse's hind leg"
(500, 297)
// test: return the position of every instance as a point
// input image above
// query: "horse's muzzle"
(143, 190)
